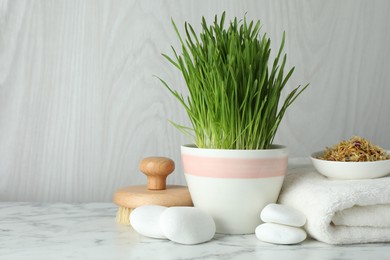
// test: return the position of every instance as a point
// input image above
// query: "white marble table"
(89, 231)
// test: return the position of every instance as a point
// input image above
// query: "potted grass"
(234, 104)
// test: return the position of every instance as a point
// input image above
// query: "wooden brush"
(156, 192)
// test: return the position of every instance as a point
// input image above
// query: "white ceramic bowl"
(233, 186)
(350, 170)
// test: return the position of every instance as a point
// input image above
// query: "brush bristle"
(123, 216)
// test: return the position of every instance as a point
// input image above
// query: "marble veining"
(89, 231)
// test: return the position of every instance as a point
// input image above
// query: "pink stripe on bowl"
(234, 167)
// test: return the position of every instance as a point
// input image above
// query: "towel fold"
(339, 211)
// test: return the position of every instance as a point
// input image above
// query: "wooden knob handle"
(157, 170)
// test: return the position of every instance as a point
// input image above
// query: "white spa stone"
(282, 214)
(187, 225)
(280, 234)
(146, 220)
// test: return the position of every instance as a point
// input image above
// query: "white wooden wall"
(80, 107)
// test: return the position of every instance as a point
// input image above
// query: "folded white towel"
(339, 211)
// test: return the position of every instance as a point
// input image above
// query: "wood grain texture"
(80, 107)
(136, 196)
